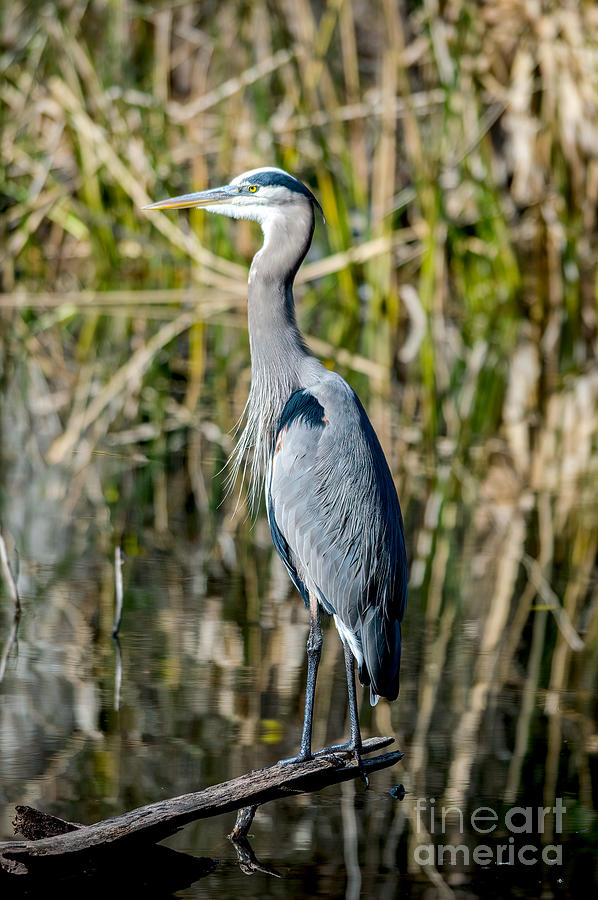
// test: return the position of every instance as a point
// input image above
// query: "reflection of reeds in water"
(454, 151)
(233, 660)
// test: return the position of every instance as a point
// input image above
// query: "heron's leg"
(355, 740)
(354, 744)
(314, 651)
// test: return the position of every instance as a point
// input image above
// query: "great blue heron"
(332, 506)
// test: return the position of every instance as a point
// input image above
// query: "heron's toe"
(335, 748)
(301, 757)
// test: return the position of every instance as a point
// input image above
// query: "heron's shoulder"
(333, 393)
(302, 406)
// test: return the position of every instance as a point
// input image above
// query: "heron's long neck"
(278, 351)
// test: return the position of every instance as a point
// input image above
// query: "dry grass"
(454, 148)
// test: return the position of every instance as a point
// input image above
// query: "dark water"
(207, 683)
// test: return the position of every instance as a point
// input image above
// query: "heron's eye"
(253, 188)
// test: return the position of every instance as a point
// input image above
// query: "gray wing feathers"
(331, 494)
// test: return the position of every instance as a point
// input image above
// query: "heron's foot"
(348, 747)
(301, 757)
(321, 754)
(337, 761)
(326, 751)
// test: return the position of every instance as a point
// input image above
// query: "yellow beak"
(202, 198)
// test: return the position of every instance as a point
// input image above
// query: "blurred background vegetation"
(454, 148)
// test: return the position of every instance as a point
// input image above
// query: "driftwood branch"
(51, 840)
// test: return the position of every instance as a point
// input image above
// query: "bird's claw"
(337, 761)
(348, 747)
(361, 767)
(294, 759)
(326, 751)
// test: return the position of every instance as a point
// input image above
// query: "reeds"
(454, 149)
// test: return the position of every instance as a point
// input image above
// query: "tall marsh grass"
(454, 148)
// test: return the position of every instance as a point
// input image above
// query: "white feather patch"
(351, 639)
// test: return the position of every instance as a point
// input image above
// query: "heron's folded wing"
(331, 500)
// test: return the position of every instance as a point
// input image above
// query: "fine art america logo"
(517, 821)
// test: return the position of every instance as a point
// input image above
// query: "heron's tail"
(381, 642)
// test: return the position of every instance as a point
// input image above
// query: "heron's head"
(259, 194)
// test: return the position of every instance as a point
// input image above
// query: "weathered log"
(73, 843)
(35, 825)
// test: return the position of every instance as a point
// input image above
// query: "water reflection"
(206, 679)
